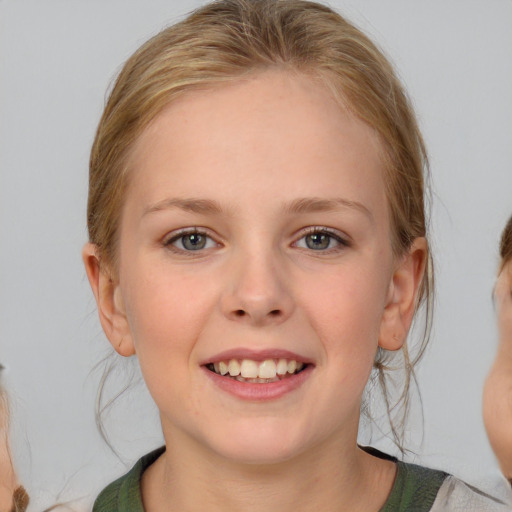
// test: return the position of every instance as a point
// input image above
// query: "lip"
(259, 392)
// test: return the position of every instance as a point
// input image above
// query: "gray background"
(57, 58)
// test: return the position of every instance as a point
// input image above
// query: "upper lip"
(256, 355)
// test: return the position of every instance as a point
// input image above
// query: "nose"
(257, 291)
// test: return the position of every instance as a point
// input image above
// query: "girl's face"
(7, 476)
(255, 240)
(497, 410)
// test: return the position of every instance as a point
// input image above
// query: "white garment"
(454, 496)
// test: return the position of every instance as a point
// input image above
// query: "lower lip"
(260, 392)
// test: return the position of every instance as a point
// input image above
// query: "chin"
(259, 446)
(256, 455)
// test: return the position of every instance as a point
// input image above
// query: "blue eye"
(194, 241)
(320, 240)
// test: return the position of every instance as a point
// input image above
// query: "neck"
(332, 478)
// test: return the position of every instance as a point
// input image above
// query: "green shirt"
(415, 488)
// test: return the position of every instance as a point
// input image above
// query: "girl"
(258, 240)
(498, 388)
(13, 497)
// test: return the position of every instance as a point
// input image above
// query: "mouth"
(257, 372)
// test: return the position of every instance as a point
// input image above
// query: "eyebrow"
(297, 206)
(317, 204)
(203, 206)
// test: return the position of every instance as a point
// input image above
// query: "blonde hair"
(229, 39)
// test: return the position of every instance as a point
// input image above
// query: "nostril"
(242, 313)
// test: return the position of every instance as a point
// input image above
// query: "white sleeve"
(455, 495)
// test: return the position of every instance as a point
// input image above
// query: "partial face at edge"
(256, 228)
(8, 481)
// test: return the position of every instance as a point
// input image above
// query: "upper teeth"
(249, 369)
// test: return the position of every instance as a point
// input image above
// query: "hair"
(506, 244)
(230, 39)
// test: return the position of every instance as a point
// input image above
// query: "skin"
(498, 387)
(258, 286)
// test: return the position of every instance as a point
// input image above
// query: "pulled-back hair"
(229, 39)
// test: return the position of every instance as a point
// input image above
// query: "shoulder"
(124, 494)
(415, 488)
(421, 489)
(455, 494)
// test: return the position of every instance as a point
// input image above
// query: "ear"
(402, 293)
(109, 300)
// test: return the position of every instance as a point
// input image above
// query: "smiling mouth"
(257, 372)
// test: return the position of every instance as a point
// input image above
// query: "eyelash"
(182, 234)
(171, 241)
(341, 241)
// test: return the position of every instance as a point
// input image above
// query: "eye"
(191, 241)
(321, 239)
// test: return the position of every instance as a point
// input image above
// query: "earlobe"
(109, 301)
(401, 301)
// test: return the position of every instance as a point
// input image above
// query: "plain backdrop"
(57, 58)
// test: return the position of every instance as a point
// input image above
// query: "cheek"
(346, 308)
(166, 311)
(166, 315)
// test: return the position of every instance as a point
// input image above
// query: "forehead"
(276, 131)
